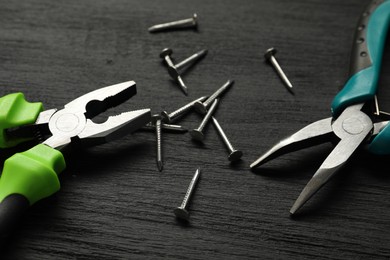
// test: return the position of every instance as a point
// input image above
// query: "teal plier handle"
(366, 59)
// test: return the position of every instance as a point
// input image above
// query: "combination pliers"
(353, 122)
(32, 175)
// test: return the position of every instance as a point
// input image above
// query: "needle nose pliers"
(32, 175)
(352, 121)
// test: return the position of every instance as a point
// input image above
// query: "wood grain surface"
(115, 204)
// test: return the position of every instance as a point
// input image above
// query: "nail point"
(160, 165)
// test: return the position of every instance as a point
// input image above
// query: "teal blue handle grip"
(380, 144)
(366, 57)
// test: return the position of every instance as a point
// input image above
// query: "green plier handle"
(366, 59)
(29, 176)
(15, 111)
(33, 175)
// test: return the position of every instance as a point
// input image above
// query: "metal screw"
(181, 24)
(202, 107)
(156, 120)
(269, 56)
(169, 118)
(197, 134)
(234, 154)
(165, 54)
(181, 212)
(191, 60)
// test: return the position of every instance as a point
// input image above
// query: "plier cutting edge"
(352, 121)
(32, 175)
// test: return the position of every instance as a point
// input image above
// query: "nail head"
(181, 213)
(235, 155)
(165, 117)
(155, 117)
(166, 52)
(197, 135)
(200, 107)
(269, 53)
(195, 18)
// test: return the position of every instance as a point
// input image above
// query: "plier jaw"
(351, 129)
(350, 125)
(58, 128)
(74, 121)
(32, 175)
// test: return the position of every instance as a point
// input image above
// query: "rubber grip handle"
(33, 173)
(27, 178)
(366, 57)
(16, 111)
(12, 209)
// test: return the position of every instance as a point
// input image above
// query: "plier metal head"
(352, 128)
(74, 121)
(32, 175)
(350, 125)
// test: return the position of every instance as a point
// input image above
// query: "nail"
(181, 212)
(180, 24)
(171, 117)
(190, 61)
(376, 104)
(165, 127)
(234, 154)
(379, 112)
(156, 119)
(269, 56)
(202, 107)
(166, 55)
(197, 134)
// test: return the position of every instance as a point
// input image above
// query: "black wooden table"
(115, 204)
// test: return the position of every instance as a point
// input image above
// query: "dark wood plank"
(114, 204)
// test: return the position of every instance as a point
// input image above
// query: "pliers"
(32, 175)
(353, 122)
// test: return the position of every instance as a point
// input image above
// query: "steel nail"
(269, 56)
(201, 107)
(173, 116)
(234, 154)
(197, 133)
(181, 212)
(191, 60)
(156, 120)
(166, 55)
(165, 127)
(180, 24)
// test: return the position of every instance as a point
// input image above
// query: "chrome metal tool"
(353, 123)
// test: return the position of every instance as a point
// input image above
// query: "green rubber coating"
(32, 173)
(362, 86)
(16, 111)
